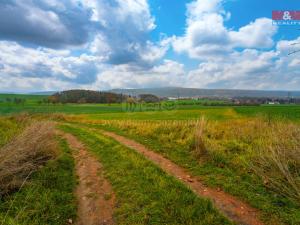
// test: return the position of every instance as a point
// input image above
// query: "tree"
(132, 103)
(8, 100)
(149, 98)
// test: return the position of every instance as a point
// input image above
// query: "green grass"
(29, 98)
(6, 109)
(215, 113)
(177, 110)
(48, 196)
(9, 127)
(145, 194)
(246, 186)
(291, 112)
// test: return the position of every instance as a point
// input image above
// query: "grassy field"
(29, 98)
(231, 151)
(249, 152)
(291, 112)
(181, 110)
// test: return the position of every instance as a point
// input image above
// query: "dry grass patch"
(25, 154)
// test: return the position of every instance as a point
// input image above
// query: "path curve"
(232, 207)
(94, 193)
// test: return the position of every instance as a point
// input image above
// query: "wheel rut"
(95, 196)
(236, 210)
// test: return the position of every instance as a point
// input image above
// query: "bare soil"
(95, 196)
(233, 208)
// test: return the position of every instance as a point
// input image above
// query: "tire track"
(233, 208)
(95, 196)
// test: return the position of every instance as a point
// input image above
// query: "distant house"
(274, 103)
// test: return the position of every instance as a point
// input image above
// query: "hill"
(176, 92)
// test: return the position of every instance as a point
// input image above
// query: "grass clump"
(47, 197)
(279, 162)
(25, 154)
(200, 148)
(145, 194)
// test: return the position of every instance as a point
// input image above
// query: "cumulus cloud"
(124, 33)
(206, 36)
(24, 68)
(48, 23)
(250, 69)
(244, 58)
(27, 63)
(257, 34)
(168, 73)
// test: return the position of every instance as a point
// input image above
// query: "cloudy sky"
(104, 44)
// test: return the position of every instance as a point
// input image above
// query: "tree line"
(17, 101)
(89, 96)
(85, 96)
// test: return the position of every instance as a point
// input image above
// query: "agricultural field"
(170, 164)
(149, 112)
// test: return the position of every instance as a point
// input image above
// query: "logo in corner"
(286, 17)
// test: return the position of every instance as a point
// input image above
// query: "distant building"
(274, 103)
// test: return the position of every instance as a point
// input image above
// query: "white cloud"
(169, 73)
(115, 50)
(257, 34)
(249, 69)
(124, 33)
(29, 64)
(255, 65)
(207, 38)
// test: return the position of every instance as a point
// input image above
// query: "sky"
(51, 45)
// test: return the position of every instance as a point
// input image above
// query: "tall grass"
(200, 148)
(278, 163)
(25, 154)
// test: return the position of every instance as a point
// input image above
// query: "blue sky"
(104, 44)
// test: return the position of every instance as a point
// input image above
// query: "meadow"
(174, 110)
(249, 152)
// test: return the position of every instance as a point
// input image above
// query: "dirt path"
(233, 208)
(94, 193)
